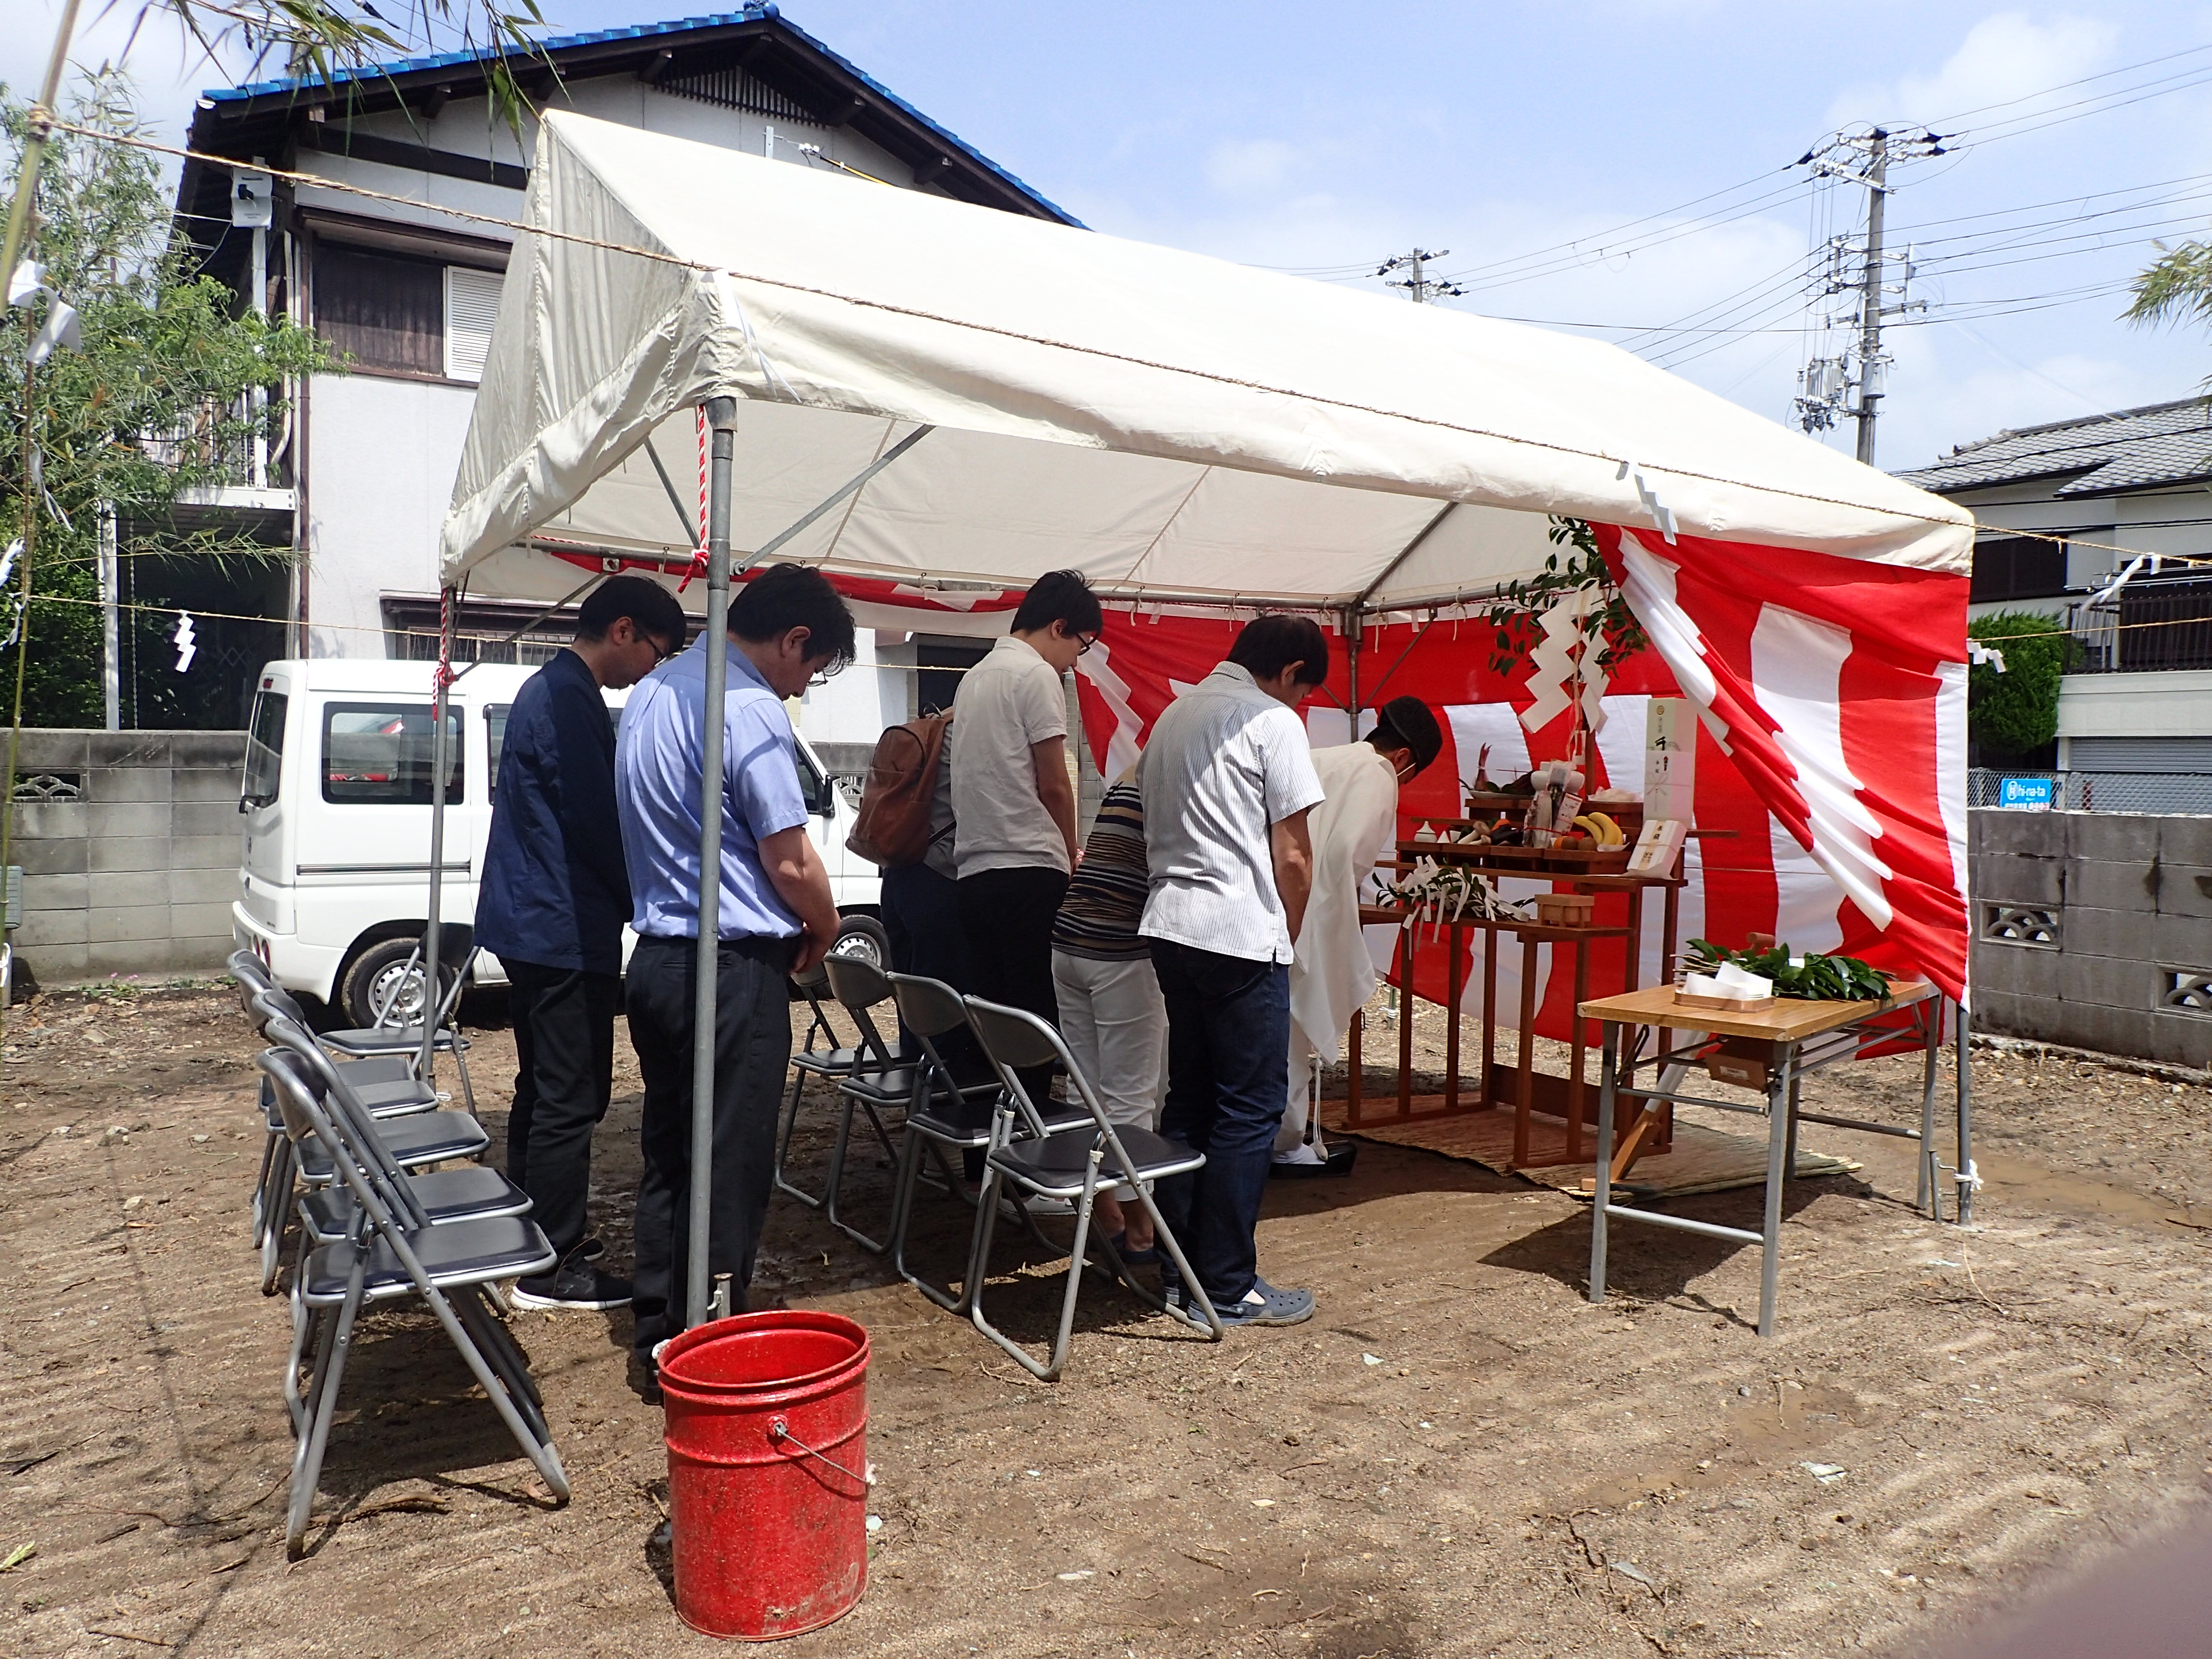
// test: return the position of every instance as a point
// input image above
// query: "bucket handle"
(778, 1429)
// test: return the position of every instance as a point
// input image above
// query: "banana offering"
(1601, 830)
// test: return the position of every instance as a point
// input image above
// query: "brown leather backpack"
(892, 830)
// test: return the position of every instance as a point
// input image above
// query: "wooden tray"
(1565, 862)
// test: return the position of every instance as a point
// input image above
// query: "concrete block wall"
(2128, 901)
(135, 873)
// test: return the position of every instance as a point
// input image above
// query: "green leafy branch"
(1814, 977)
(1608, 625)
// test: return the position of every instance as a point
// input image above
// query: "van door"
(264, 874)
(372, 782)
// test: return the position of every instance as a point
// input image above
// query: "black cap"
(1410, 719)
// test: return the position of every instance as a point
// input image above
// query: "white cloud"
(2006, 56)
(1250, 166)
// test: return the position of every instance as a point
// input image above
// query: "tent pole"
(1353, 627)
(1967, 1176)
(722, 418)
(440, 684)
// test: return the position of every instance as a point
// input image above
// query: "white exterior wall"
(382, 449)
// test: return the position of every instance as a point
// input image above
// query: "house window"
(2018, 567)
(471, 308)
(399, 314)
(385, 311)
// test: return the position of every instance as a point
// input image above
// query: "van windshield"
(265, 749)
(380, 753)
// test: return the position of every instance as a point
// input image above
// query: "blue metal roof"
(753, 13)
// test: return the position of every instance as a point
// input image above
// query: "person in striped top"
(1110, 1010)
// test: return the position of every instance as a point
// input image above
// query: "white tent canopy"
(1169, 424)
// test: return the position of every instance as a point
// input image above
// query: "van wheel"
(865, 939)
(375, 979)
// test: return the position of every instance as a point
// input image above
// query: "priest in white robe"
(1332, 976)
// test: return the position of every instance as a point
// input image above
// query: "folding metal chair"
(819, 1054)
(880, 1076)
(398, 1027)
(1068, 1166)
(946, 1114)
(393, 1249)
(280, 1160)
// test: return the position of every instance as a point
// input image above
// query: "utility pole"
(1859, 365)
(1420, 284)
(1873, 381)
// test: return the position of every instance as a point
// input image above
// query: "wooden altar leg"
(1522, 1086)
(1489, 1014)
(1405, 1021)
(1351, 1072)
(1574, 1054)
(1452, 940)
(1670, 914)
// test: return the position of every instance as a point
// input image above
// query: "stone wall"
(2095, 929)
(129, 844)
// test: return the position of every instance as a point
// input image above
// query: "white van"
(334, 866)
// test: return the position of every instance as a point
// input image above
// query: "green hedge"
(2016, 712)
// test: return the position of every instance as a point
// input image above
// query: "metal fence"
(2168, 793)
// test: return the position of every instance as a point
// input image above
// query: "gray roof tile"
(2128, 449)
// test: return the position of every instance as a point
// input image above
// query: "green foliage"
(1609, 626)
(2017, 712)
(318, 38)
(163, 357)
(2177, 287)
(1816, 978)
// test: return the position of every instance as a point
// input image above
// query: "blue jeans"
(1229, 1044)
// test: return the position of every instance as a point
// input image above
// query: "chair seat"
(894, 1088)
(446, 1196)
(1054, 1166)
(379, 1068)
(464, 1253)
(396, 1099)
(969, 1123)
(388, 1039)
(425, 1138)
(826, 1062)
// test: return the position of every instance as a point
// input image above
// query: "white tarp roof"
(1166, 423)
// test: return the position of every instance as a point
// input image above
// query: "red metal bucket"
(768, 1467)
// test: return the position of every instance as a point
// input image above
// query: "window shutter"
(471, 308)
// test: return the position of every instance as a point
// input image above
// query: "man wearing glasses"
(788, 626)
(554, 896)
(1013, 801)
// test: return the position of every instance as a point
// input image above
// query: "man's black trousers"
(752, 1052)
(564, 1053)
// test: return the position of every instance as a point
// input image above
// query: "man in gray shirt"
(1228, 778)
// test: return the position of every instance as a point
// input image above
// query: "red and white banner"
(1831, 768)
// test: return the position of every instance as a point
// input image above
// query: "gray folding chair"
(947, 1113)
(819, 1054)
(442, 1135)
(1068, 1166)
(398, 1017)
(880, 1076)
(393, 1251)
(326, 1210)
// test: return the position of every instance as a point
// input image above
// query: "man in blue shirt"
(788, 626)
(551, 908)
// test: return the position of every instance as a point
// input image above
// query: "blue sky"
(1328, 137)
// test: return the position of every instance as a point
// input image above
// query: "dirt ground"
(1459, 1454)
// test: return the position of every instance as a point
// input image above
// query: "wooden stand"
(1523, 1090)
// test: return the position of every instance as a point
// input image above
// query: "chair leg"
(309, 1326)
(307, 1456)
(838, 1155)
(1047, 1371)
(909, 1184)
(461, 1065)
(1191, 1287)
(497, 1346)
(270, 1140)
(783, 1142)
(276, 1210)
(538, 1451)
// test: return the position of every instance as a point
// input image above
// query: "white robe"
(1333, 975)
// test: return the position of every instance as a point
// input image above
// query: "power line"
(1417, 283)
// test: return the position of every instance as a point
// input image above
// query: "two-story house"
(406, 284)
(2134, 720)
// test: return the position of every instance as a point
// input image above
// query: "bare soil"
(1459, 1456)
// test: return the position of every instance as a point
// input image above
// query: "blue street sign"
(2024, 794)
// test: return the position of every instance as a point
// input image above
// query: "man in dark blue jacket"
(555, 896)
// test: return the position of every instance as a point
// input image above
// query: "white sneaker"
(1305, 1152)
